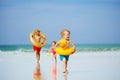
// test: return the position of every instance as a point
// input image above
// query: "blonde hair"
(37, 30)
(62, 32)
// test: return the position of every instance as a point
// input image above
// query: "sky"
(90, 21)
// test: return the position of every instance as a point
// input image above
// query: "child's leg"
(37, 56)
(64, 65)
(37, 51)
(64, 59)
(54, 58)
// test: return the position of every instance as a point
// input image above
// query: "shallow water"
(79, 48)
(81, 66)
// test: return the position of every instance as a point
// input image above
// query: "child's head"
(37, 32)
(53, 43)
(65, 34)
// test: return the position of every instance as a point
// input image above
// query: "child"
(65, 34)
(53, 51)
(38, 38)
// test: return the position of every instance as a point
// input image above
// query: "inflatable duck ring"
(34, 42)
(64, 49)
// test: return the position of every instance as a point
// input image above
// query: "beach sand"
(81, 66)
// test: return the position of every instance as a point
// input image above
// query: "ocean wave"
(15, 51)
(79, 48)
(21, 50)
(96, 49)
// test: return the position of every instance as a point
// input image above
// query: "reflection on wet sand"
(65, 77)
(54, 72)
(37, 74)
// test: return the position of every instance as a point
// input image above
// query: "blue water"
(101, 66)
(79, 47)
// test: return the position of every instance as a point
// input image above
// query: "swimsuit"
(64, 57)
(53, 51)
(36, 49)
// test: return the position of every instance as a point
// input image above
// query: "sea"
(79, 48)
(90, 62)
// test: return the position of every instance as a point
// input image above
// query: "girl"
(53, 51)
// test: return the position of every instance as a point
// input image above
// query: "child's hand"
(42, 43)
(69, 42)
(48, 54)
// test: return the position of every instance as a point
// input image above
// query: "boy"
(65, 34)
(38, 37)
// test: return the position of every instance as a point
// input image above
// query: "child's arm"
(43, 39)
(49, 50)
(73, 45)
(56, 44)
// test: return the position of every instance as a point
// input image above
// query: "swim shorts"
(62, 57)
(36, 49)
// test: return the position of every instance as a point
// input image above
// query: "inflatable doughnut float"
(34, 42)
(64, 49)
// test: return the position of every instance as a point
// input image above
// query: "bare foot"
(37, 61)
(65, 72)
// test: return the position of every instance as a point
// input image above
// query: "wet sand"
(81, 66)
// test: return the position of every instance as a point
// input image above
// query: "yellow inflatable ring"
(37, 44)
(64, 49)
